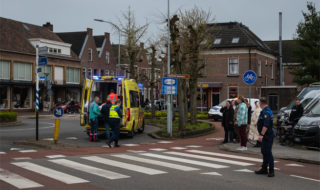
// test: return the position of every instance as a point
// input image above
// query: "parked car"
(307, 130)
(215, 113)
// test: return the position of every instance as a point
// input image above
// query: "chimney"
(89, 31)
(49, 26)
(107, 36)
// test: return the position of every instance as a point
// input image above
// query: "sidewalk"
(46, 115)
(298, 154)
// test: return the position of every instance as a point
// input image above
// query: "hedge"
(8, 117)
(164, 114)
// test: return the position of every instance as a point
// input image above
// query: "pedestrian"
(72, 104)
(115, 116)
(94, 113)
(265, 129)
(253, 129)
(242, 121)
(227, 121)
(235, 128)
(105, 110)
(113, 97)
(296, 112)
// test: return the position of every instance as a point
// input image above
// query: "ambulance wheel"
(132, 133)
(141, 129)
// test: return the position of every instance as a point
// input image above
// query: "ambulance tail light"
(128, 114)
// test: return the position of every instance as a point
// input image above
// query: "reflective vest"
(113, 97)
(113, 113)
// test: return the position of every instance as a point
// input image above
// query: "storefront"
(4, 97)
(22, 97)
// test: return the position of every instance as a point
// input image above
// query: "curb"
(283, 157)
(15, 123)
(44, 144)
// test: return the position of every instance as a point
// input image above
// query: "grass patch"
(8, 117)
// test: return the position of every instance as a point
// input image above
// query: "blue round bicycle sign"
(249, 77)
(58, 112)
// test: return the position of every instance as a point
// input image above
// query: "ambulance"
(131, 102)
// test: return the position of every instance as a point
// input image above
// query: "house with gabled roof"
(61, 76)
(235, 49)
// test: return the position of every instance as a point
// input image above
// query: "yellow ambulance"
(129, 94)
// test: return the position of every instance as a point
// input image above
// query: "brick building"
(235, 50)
(17, 66)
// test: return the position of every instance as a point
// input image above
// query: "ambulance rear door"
(85, 101)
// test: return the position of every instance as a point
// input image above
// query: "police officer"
(115, 116)
(113, 97)
(266, 135)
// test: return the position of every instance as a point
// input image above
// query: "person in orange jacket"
(113, 97)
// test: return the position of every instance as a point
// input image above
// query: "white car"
(215, 113)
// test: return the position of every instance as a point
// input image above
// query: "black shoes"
(262, 171)
(271, 173)
(116, 145)
(109, 143)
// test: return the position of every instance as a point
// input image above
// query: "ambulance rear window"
(134, 99)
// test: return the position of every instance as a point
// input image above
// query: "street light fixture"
(119, 30)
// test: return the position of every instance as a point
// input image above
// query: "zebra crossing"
(76, 169)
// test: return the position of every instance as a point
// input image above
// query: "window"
(217, 41)
(4, 69)
(90, 54)
(233, 66)
(84, 73)
(45, 71)
(233, 92)
(107, 58)
(102, 72)
(235, 40)
(4, 97)
(95, 72)
(89, 73)
(107, 72)
(259, 68)
(58, 75)
(134, 99)
(55, 50)
(271, 71)
(22, 71)
(73, 75)
(21, 97)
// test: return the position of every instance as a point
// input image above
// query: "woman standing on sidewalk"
(253, 130)
(227, 121)
(242, 121)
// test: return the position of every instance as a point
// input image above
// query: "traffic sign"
(43, 78)
(169, 85)
(42, 61)
(179, 76)
(141, 86)
(43, 50)
(58, 112)
(249, 77)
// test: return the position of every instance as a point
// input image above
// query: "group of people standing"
(238, 121)
(111, 114)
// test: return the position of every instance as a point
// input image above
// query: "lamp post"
(169, 110)
(119, 30)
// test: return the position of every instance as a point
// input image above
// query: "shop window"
(4, 69)
(73, 75)
(45, 71)
(22, 71)
(233, 66)
(21, 97)
(4, 97)
(233, 92)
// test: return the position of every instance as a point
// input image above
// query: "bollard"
(56, 131)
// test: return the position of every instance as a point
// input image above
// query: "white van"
(215, 113)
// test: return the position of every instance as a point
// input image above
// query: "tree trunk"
(193, 101)
(182, 102)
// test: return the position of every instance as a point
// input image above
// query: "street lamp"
(119, 30)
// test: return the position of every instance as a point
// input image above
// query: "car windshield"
(222, 103)
(316, 109)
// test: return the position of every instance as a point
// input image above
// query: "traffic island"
(44, 144)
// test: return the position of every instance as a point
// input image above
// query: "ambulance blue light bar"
(95, 77)
(120, 78)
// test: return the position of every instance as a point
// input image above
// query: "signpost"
(179, 76)
(169, 86)
(249, 78)
(58, 112)
(42, 61)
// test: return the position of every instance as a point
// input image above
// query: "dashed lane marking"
(212, 173)
(27, 151)
(295, 165)
(158, 149)
(48, 139)
(244, 170)
(71, 138)
(63, 177)
(165, 142)
(178, 148)
(3, 153)
(22, 158)
(56, 156)
(136, 151)
(17, 180)
(130, 145)
(89, 169)
(14, 149)
(193, 146)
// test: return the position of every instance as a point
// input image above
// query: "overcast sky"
(261, 16)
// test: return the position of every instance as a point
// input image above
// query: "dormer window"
(217, 41)
(235, 40)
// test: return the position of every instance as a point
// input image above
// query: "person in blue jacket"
(266, 135)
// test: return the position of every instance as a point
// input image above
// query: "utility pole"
(280, 50)
(37, 93)
(169, 110)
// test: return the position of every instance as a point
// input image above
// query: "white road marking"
(48, 139)
(22, 158)
(17, 180)
(214, 139)
(199, 163)
(13, 149)
(225, 155)
(123, 165)
(3, 153)
(210, 158)
(178, 148)
(158, 149)
(295, 165)
(193, 146)
(165, 142)
(243, 170)
(305, 178)
(130, 145)
(27, 151)
(212, 173)
(63, 177)
(89, 169)
(136, 151)
(71, 138)
(56, 156)
(156, 162)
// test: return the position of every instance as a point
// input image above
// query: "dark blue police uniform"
(266, 120)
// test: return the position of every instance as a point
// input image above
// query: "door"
(85, 101)
(273, 102)
(215, 99)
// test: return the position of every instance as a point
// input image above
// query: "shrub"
(8, 117)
